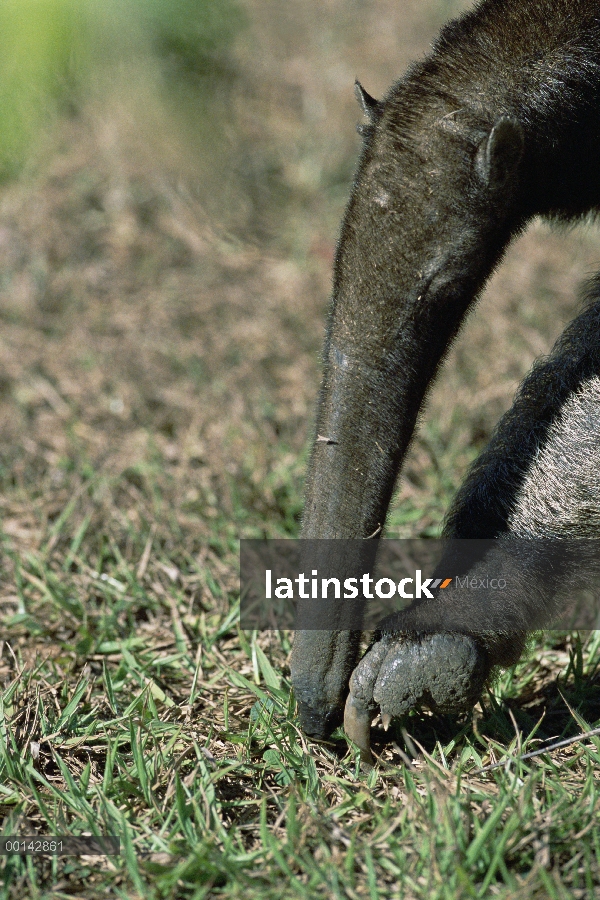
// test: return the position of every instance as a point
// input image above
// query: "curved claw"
(357, 725)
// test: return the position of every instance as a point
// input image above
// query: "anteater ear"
(500, 153)
(368, 103)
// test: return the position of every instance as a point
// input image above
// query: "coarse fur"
(559, 496)
(497, 125)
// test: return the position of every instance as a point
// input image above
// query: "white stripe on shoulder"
(560, 495)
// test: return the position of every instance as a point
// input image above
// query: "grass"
(158, 370)
(159, 721)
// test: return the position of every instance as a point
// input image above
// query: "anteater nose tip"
(318, 723)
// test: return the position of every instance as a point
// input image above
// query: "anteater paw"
(445, 672)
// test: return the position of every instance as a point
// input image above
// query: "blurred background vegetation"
(55, 53)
